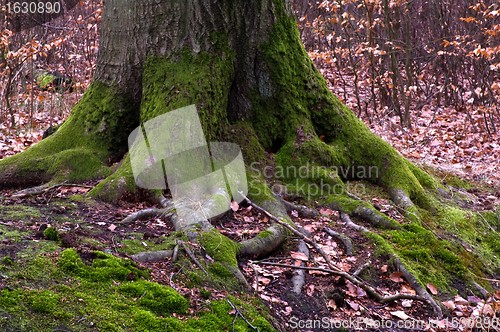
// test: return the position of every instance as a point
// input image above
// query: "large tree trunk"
(244, 67)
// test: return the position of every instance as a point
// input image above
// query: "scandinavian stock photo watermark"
(363, 323)
(311, 181)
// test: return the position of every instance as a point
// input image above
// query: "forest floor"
(326, 301)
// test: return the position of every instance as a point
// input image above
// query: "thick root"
(362, 210)
(270, 239)
(82, 148)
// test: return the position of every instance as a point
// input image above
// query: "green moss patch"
(11, 235)
(203, 79)
(104, 293)
(104, 267)
(158, 299)
(135, 243)
(50, 233)
(19, 212)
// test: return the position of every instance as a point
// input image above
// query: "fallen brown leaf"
(431, 288)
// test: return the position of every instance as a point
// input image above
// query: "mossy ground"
(449, 247)
(44, 287)
(108, 294)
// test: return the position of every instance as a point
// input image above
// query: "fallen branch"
(192, 256)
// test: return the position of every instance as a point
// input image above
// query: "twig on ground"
(256, 276)
(192, 256)
(172, 275)
(114, 244)
(238, 313)
(489, 279)
(362, 268)
(353, 196)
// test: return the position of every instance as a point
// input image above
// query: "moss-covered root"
(362, 210)
(400, 266)
(81, 148)
(268, 240)
(403, 201)
(116, 185)
(418, 287)
(223, 250)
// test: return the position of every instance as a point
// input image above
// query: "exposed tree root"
(405, 203)
(152, 256)
(147, 213)
(365, 211)
(410, 278)
(303, 210)
(484, 293)
(375, 218)
(367, 288)
(345, 218)
(361, 268)
(298, 278)
(271, 238)
(423, 295)
(33, 191)
(417, 287)
(342, 238)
